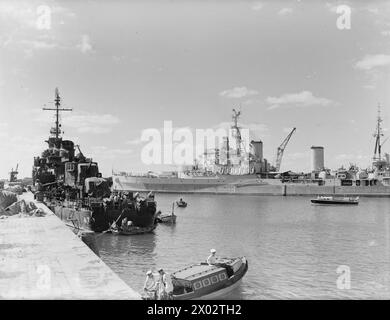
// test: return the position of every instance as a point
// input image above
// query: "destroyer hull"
(99, 220)
(244, 185)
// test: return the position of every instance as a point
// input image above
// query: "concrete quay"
(41, 258)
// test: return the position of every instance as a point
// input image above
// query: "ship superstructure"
(59, 162)
(236, 155)
(73, 188)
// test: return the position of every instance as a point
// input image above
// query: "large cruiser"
(227, 171)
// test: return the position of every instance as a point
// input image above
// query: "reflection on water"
(293, 247)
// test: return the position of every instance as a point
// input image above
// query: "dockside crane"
(280, 150)
(13, 174)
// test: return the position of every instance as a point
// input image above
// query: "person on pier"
(150, 286)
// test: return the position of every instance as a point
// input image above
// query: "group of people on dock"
(161, 289)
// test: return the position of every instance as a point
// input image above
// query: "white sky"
(125, 66)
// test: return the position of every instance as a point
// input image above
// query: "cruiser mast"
(378, 134)
(236, 129)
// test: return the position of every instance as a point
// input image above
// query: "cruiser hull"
(244, 185)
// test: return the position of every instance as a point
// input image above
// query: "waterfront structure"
(280, 150)
(317, 156)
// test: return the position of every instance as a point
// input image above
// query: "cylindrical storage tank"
(317, 158)
(257, 150)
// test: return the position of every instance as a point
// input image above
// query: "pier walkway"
(41, 258)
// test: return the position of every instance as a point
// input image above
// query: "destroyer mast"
(57, 129)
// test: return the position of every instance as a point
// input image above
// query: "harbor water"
(294, 248)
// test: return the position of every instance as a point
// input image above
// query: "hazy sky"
(125, 66)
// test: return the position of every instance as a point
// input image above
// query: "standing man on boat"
(212, 258)
(150, 285)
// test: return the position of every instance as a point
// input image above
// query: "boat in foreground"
(335, 200)
(202, 281)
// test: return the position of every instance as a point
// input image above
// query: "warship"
(227, 171)
(73, 188)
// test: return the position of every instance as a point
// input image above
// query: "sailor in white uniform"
(212, 259)
(168, 284)
(150, 285)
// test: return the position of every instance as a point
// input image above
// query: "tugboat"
(73, 188)
(335, 200)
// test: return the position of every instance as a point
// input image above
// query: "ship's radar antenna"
(235, 116)
(57, 109)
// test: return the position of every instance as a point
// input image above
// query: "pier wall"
(41, 258)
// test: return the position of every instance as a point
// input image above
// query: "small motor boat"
(335, 200)
(181, 203)
(167, 218)
(203, 281)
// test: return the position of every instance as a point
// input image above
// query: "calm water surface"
(293, 247)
